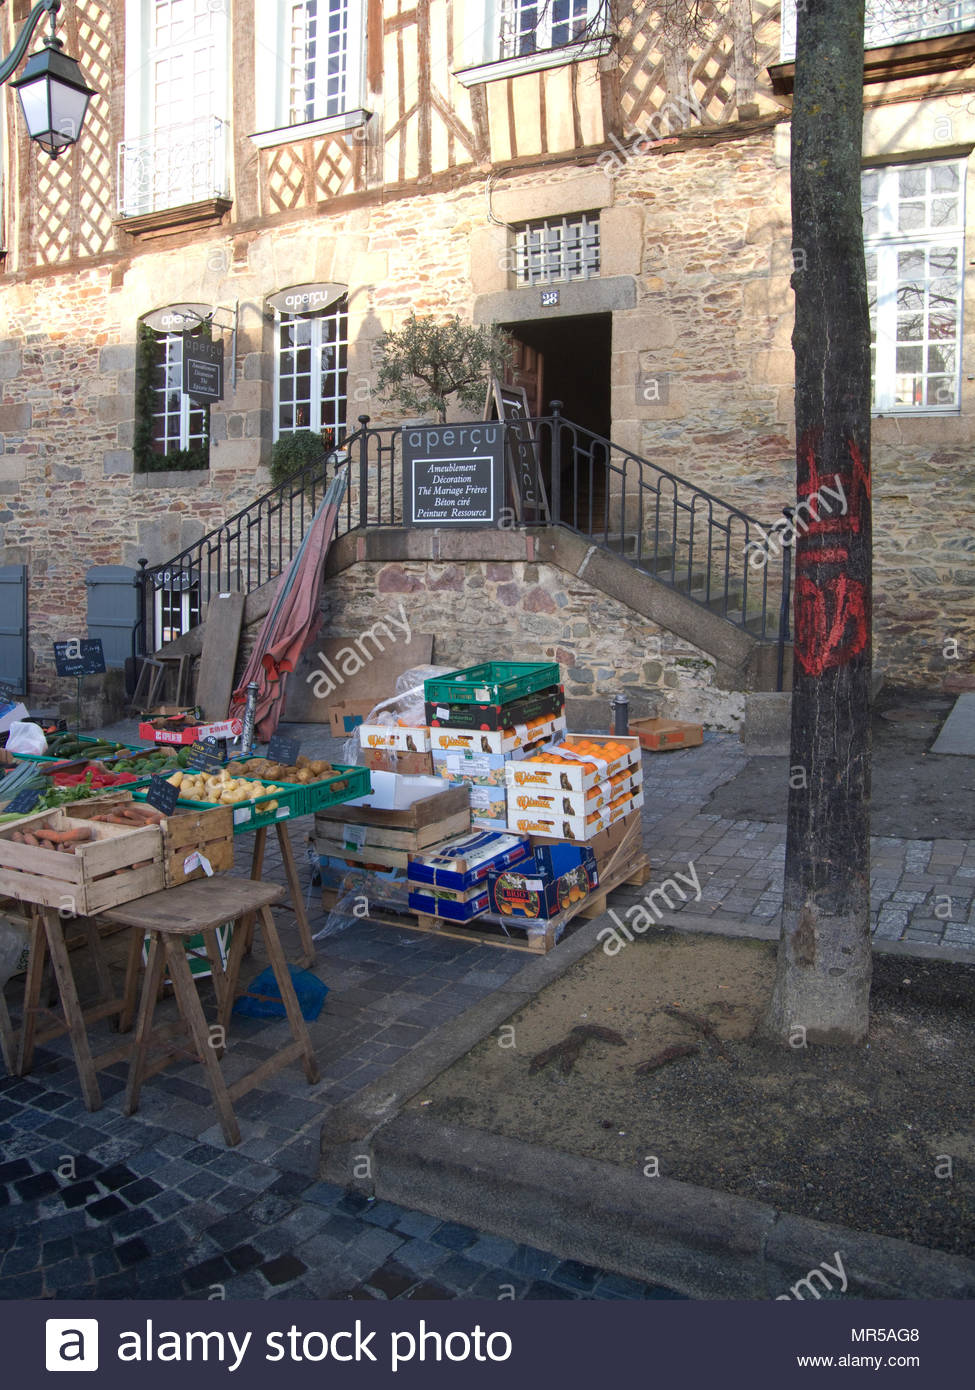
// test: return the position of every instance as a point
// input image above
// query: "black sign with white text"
(162, 794)
(452, 474)
(202, 368)
(79, 656)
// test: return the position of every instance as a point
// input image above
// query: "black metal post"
(363, 471)
(621, 715)
(789, 513)
(555, 504)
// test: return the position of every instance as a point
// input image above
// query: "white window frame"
(886, 245)
(172, 365)
(197, 143)
(339, 310)
(894, 21)
(545, 246)
(492, 56)
(189, 611)
(274, 82)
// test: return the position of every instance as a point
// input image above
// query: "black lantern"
(53, 94)
(53, 97)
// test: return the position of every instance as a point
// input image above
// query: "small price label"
(354, 836)
(24, 801)
(205, 754)
(283, 750)
(163, 795)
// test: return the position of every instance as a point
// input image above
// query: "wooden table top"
(195, 907)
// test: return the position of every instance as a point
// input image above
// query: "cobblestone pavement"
(921, 890)
(155, 1206)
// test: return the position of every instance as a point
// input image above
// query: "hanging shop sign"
(202, 368)
(303, 300)
(453, 474)
(177, 318)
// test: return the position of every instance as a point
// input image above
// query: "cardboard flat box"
(548, 826)
(554, 878)
(465, 861)
(572, 775)
(573, 803)
(346, 716)
(662, 735)
(225, 728)
(11, 713)
(436, 904)
(475, 742)
(406, 764)
(357, 670)
(625, 833)
(394, 736)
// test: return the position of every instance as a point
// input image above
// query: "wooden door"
(527, 369)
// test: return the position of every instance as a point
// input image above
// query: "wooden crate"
(89, 880)
(209, 832)
(381, 835)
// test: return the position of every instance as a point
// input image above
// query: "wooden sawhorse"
(168, 918)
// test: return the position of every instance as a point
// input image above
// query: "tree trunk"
(822, 985)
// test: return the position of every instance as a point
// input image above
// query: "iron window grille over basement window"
(558, 248)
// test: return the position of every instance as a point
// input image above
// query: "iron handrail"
(684, 536)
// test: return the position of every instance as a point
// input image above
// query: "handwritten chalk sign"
(162, 794)
(453, 474)
(79, 656)
(205, 754)
(283, 750)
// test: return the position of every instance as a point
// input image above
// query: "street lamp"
(53, 94)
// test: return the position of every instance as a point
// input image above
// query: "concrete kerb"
(699, 1241)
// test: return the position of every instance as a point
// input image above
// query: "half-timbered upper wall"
(62, 210)
(437, 97)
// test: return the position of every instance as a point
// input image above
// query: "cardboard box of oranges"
(575, 764)
(555, 878)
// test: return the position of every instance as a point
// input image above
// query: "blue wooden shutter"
(113, 610)
(13, 627)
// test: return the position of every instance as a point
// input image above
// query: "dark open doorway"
(568, 359)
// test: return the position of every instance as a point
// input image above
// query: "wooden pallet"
(511, 935)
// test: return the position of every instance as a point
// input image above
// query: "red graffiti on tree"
(832, 624)
(832, 618)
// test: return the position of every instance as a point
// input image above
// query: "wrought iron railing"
(173, 166)
(684, 537)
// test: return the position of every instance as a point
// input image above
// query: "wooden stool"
(46, 930)
(294, 889)
(169, 918)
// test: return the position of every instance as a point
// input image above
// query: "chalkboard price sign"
(205, 754)
(24, 801)
(453, 474)
(163, 795)
(79, 656)
(283, 750)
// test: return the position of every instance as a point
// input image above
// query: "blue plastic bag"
(263, 997)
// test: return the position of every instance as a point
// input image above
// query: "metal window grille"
(531, 26)
(311, 375)
(557, 248)
(914, 218)
(176, 422)
(894, 21)
(319, 59)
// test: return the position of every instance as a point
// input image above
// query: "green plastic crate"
(492, 683)
(249, 815)
(347, 784)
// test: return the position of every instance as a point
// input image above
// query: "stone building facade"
(230, 157)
